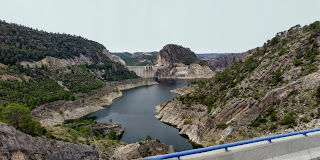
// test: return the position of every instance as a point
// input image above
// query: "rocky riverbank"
(184, 90)
(57, 112)
(18, 145)
(15, 144)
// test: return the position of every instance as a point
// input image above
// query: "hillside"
(275, 90)
(138, 58)
(38, 67)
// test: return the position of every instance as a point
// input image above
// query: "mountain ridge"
(253, 96)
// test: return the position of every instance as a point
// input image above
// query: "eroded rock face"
(118, 59)
(142, 149)
(276, 75)
(181, 63)
(172, 53)
(57, 62)
(57, 112)
(102, 129)
(15, 144)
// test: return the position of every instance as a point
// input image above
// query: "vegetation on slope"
(19, 117)
(22, 88)
(138, 59)
(20, 43)
(38, 89)
(283, 60)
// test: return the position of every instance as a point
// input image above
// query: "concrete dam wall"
(145, 71)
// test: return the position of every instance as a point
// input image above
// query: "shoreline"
(57, 112)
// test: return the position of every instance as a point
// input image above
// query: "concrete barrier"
(294, 147)
(145, 71)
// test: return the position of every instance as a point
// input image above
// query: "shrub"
(270, 111)
(113, 135)
(115, 90)
(288, 120)
(305, 119)
(148, 138)
(275, 40)
(258, 122)
(277, 76)
(297, 62)
(318, 93)
(85, 130)
(273, 127)
(222, 125)
(188, 121)
(273, 116)
(19, 117)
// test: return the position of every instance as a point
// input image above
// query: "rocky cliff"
(142, 149)
(181, 63)
(275, 90)
(17, 145)
(172, 53)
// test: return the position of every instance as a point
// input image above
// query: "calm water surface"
(136, 111)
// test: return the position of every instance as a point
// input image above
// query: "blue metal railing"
(226, 146)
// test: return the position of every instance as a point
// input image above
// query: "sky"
(204, 26)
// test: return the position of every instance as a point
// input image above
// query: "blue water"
(136, 111)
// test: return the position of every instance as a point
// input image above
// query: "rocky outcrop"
(142, 149)
(118, 59)
(181, 63)
(57, 62)
(172, 53)
(82, 59)
(102, 129)
(15, 144)
(57, 112)
(113, 57)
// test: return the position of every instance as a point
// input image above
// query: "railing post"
(305, 134)
(269, 140)
(226, 149)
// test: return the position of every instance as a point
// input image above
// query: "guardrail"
(226, 146)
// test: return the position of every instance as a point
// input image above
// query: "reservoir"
(136, 111)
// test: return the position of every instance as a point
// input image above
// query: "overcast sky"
(205, 26)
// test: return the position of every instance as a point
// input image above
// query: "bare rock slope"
(275, 90)
(142, 149)
(18, 145)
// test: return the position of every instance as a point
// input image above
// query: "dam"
(145, 71)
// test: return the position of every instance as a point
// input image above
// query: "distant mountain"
(211, 55)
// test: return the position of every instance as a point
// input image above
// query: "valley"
(64, 90)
